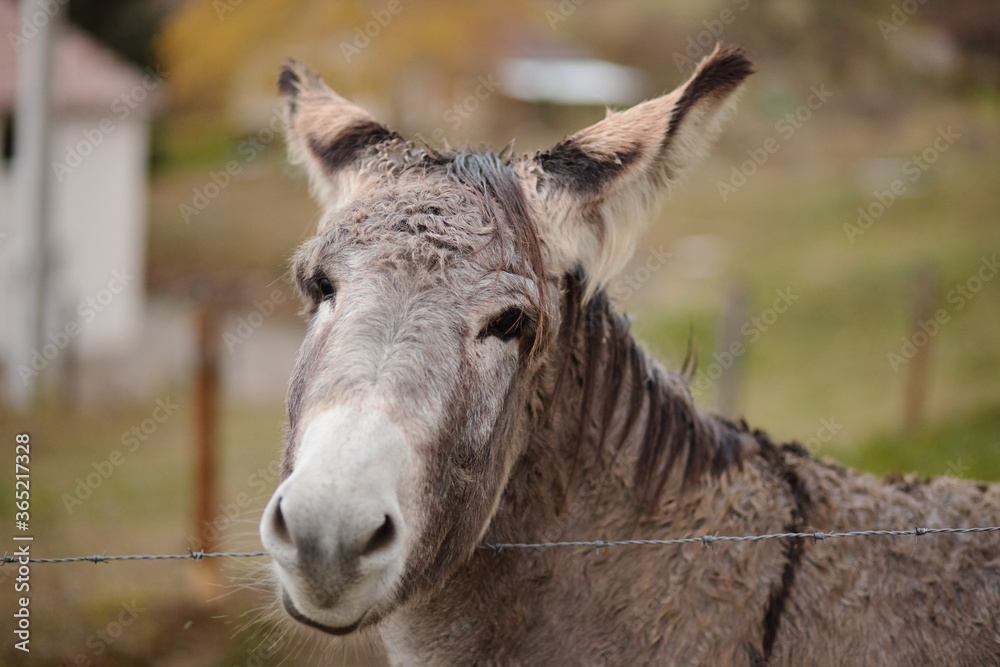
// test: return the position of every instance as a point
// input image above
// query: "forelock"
(418, 219)
(435, 209)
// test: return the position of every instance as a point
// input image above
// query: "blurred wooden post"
(206, 405)
(730, 332)
(69, 384)
(916, 381)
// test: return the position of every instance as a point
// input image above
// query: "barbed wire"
(104, 558)
(707, 540)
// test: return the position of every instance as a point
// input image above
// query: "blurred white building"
(98, 188)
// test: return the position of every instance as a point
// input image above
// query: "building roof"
(88, 76)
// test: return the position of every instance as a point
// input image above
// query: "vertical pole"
(730, 332)
(206, 404)
(29, 226)
(916, 381)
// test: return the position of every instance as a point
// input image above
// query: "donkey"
(464, 380)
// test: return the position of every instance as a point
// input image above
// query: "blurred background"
(834, 261)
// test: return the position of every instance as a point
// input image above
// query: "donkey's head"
(435, 284)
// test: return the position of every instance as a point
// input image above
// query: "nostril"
(381, 538)
(280, 527)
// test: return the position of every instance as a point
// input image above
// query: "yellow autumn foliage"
(212, 48)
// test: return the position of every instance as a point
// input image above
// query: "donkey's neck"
(622, 435)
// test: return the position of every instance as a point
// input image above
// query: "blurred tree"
(416, 57)
(368, 45)
(127, 26)
(974, 25)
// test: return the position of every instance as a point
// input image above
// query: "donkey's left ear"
(598, 187)
(327, 133)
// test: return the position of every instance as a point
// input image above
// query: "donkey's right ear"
(326, 133)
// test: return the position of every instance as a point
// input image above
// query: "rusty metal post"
(206, 405)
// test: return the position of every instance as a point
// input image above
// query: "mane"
(673, 431)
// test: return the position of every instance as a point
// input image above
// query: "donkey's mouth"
(305, 620)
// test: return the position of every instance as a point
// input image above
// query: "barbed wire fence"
(707, 540)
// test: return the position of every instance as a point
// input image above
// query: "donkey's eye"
(325, 288)
(506, 326)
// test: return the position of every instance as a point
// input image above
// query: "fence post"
(730, 331)
(916, 380)
(206, 405)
